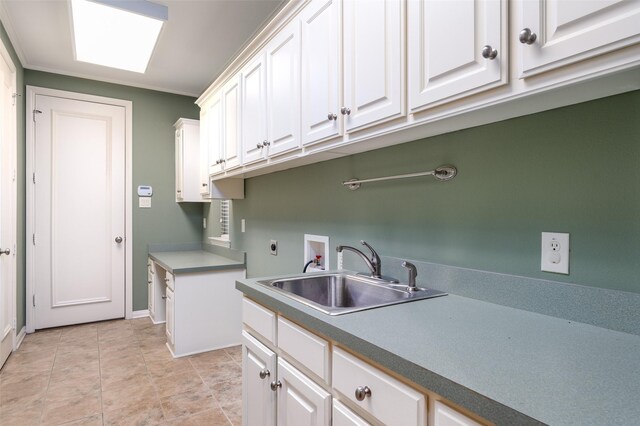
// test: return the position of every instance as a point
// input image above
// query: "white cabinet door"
(454, 49)
(232, 123)
(373, 62)
(568, 31)
(204, 155)
(258, 371)
(150, 293)
(179, 157)
(170, 312)
(301, 402)
(254, 109)
(214, 133)
(283, 90)
(320, 70)
(342, 416)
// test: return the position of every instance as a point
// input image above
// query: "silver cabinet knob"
(362, 392)
(222, 160)
(5, 251)
(275, 385)
(148, 281)
(204, 184)
(259, 146)
(345, 111)
(527, 36)
(118, 240)
(164, 297)
(489, 52)
(217, 162)
(264, 373)
(266, 143)
(332, 116)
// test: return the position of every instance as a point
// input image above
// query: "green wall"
(153, 164)
(574, 169)
(20, 255)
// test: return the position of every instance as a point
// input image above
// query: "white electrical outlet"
(555, 252)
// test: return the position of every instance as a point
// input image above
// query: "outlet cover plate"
(273, 247)
(555, 252)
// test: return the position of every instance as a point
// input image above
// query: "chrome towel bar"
(442, 173)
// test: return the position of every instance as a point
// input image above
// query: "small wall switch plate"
(555, 252)
(273, 247)
(144, 202)
(242, 225)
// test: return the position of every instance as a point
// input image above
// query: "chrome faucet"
(374, 264)
(413, 273)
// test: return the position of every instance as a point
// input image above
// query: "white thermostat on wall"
(145, 191)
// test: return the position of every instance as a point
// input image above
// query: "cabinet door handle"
(118, 240)
(345, 111)
(527, 36)
(275, 385)
(264, 373)
(332, 116)
(204, 184)
(489, 52)
(266, 143)
(164, 297)
(363, 392)
(5, 251)
(148, 282)
(259, 146)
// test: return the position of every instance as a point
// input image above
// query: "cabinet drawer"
(446, 416)
(261, 320)
(390, 401)
(170, 280)
(304, 346)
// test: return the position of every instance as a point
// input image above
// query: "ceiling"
(197, 42)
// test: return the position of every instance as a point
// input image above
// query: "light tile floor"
(117, 373)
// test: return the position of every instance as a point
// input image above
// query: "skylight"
(116, 33)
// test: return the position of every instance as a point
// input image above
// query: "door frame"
(32, 91)
(13, 197)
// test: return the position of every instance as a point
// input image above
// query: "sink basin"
(342, 293)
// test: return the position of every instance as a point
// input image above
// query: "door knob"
(362, 392)
(489, 52)
(527, 36)
(5, 251)
(118, 240)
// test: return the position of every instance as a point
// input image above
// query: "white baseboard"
(20, 338)
(140, 314)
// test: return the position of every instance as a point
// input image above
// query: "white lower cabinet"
(293, 377)
(258, 370)
(156, 292)
(301, 402)
(384, 397)
(447, 416)
(170, 310)
(342, 416)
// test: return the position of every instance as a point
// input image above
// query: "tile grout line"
(46, 393)
(211, 390)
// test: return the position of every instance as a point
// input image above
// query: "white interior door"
(79, 211)
(7, 208)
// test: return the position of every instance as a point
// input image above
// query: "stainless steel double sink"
(341, 292)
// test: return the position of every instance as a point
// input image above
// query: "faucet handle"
(413, 273)
(374, 255)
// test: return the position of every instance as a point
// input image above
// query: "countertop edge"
(233, 264)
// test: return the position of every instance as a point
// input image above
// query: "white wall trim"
(10, 235)
(140, 314)
(30, 99)
(19, 338)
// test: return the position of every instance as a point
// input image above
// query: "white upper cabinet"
(320, 21)
(204, 158)
(232, 143)
(212, 114)
(455, 48)
(188, 160)
(559, 32)
(373, 62)
(283, 90)
(254, 109)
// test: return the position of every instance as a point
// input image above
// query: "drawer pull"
(276, 385)
(362, 392)
(264, 373)
(164, 297)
